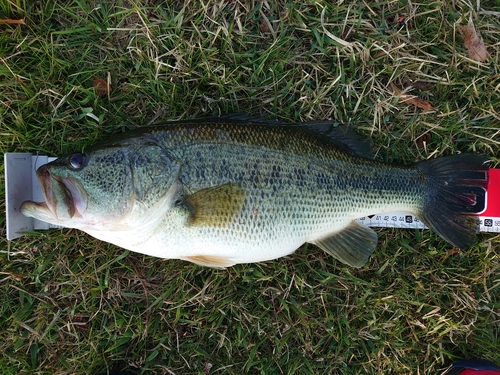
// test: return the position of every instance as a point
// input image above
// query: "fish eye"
(77, 161)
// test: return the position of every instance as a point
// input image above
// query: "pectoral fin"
(353, 245)
(209, 261)
(215, 206)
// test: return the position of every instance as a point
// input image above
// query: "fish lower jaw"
(40, 211)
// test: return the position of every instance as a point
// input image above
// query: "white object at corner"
(21, 184)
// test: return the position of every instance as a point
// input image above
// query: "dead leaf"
(422, 86)
(423, 140)
(13, 22)
(473, 43)
(103, 89)
(411, 99)
(264, 27)
(449, 253)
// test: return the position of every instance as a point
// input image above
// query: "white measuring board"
(396, 219)
(21, 185)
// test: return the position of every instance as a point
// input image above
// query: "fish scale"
(227, 191)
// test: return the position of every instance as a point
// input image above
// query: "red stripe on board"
(493, 194)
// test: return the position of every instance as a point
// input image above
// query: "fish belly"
(261, 232)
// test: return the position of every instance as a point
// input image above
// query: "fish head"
(84, 189)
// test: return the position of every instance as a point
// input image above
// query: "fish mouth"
(65, 198)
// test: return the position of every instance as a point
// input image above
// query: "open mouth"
(64, 198)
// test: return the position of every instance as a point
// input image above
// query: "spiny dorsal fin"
(342, 136)
(351, 142)
(246, 118)
(209, 261)
(353, 245)
(215, 206)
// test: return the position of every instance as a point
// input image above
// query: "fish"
(237, 189)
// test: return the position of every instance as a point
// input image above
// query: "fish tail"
(454, 187)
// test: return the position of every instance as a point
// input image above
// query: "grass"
(71, 304)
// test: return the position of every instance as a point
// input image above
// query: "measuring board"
(21, 184)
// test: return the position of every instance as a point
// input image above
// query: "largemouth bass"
(231, 190)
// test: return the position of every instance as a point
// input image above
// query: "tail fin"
(454, 183)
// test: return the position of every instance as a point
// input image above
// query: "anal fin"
(209, 261)
(353, 245)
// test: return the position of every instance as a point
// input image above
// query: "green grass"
(71, 304)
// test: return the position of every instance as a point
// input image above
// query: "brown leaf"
(14, 22)
(449, 253)
(264, 27)
(103, 89)
(419, 85)
(411, 99)
(423, 140)
(473, 43)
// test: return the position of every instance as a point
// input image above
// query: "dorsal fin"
(351, 142)
(246, 118)
(343, 137)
